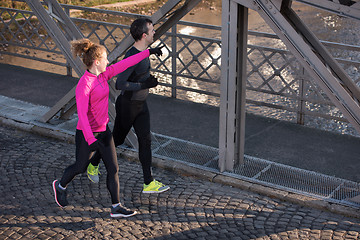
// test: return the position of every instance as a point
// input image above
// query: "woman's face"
(103, 62)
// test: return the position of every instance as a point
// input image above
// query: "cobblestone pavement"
(191, 209)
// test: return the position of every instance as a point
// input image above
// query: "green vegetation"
(86, 3)
(90, 3)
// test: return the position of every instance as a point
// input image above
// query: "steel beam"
(241, 83)
(322, 52)
(57, 12)
(62, 41)
(293, 32)
(176, 16)
(128, 41)
(224, 89)
(349, 8)
(56, 33)
(314, 57)
(159, 17)
(233, 85)
(46, 17)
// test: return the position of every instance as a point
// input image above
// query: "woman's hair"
(87, 50)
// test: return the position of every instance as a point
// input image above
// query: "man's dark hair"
(138, 27)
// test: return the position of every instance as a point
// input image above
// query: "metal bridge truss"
(233, 80)
(302, 43)
(306, 48)
(62, 30)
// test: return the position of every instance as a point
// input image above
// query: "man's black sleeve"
(122, 82)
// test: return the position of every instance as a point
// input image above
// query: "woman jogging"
(92, 131)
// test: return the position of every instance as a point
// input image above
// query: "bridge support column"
(233, 85)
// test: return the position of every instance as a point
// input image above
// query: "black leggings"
(133, 113)
(108, 154)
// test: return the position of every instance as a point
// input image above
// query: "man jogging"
(131, 106)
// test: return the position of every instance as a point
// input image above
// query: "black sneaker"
(60, 194)
(121, 211)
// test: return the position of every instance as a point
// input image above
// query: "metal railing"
(191, 67)
(191, 70)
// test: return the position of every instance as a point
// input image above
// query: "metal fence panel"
(191, 70)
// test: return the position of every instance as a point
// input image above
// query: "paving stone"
(191, 209)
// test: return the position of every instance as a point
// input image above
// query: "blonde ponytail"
(87, 50)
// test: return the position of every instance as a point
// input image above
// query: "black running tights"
(133, 113)
(108, 154)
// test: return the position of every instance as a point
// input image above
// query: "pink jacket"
(92, 96)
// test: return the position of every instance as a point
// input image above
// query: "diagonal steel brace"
(61, 39)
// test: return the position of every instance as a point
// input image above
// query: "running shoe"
(155, 187)
(121, 211)
(60, 194)
(93, 173)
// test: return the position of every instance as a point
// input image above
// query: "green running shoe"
(93, 173)
(155, 187)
